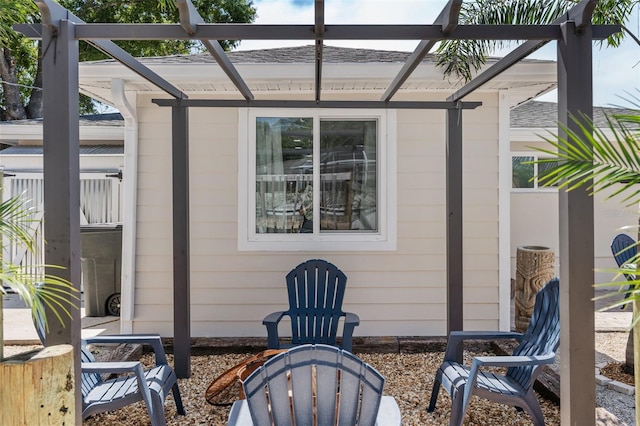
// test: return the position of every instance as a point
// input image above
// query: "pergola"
(60, 32)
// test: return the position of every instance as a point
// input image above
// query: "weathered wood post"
(534, 268)
(37, 387)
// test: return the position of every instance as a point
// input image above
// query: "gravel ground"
(610, 347)
(409, 378)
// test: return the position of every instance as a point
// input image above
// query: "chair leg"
(434, 392)
(157, 416)
(532, 407)
(457, 408)
(178, 399)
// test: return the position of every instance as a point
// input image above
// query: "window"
(525, 173)
(314, 179)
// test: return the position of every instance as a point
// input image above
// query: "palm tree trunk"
(14, 108)
(34, 107)
(628, 355)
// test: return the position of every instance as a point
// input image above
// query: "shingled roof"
(537, 114)
(113, 119)
(298, 54)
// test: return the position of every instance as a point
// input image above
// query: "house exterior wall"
(401, 292)
(534, 221)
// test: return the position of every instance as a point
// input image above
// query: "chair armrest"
(152, 340)
(350, 322)
(457, 337)
(512, 361)
(123, 367)
(500, 361)
(109, 367)
(351, 319)
(271, 322)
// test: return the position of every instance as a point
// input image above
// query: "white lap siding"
(400, 292)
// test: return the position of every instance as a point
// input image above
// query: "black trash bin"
(101, 254)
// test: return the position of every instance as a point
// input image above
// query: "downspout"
(130, 180)
(504, 211)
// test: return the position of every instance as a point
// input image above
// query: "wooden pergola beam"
(190, 19)
(52, 13)
(448, 21)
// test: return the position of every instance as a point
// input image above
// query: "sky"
(616, 71)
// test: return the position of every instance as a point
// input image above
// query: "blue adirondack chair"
(537, 347)
(133, 383)
(315, 385)
(316, 291)
(624, 248)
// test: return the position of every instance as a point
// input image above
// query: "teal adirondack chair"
(537, 347)
(624, 248)
(133, 384)
(315, 385)
(316, 290)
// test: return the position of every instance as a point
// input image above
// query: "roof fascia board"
(538, 71)
(34, 132)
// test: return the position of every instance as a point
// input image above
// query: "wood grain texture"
(36, 388)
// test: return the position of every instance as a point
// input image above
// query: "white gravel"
(614, 408)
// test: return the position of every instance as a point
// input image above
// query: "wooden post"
(37, 387)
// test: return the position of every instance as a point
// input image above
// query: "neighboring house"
(101, 164)
(370, 182)
(101, 167)
(534, 209)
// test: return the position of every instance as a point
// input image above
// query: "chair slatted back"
(623, 248)
(88, 380)
(543, 334)
(314, 385)
(316, 291)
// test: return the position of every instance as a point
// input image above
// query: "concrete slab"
(19, 330)
(18, 327)
(613, 321)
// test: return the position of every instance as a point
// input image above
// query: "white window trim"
(383, 240)
(536, 155)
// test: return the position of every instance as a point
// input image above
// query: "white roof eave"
(94, 77)
(34, 132)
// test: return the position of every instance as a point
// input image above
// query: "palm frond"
(16, 216)
(588, 157)
(37, 291)
(464, 57)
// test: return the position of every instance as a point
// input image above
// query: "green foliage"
(14, 12)
(590, 158)
(464, 57)
(25, 51)
(163, 12)
(36, 289)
